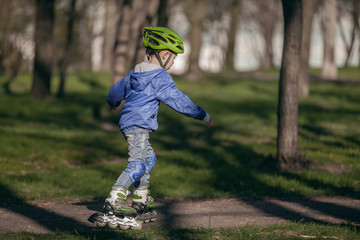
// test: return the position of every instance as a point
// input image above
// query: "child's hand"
(210, 123)
(112, 108)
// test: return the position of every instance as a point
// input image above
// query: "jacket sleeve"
(117, 92)
(167, 93)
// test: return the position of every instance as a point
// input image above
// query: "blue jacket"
(143, 92)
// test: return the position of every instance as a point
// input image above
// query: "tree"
(234, 19)
(356, 19)
(163, 15)
(149, 17)
(134, 15)
(64, 62)
(329, 69)
(43, 48)
(308, 13)
(196, 13)
(267, 16)
(108, 34)
(13, 37)
(348, 7)
(288, 86)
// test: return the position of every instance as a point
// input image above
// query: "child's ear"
(166, 54)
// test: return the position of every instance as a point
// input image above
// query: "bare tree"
(346, 7)
(308, 13)
(134, 15)
(288, 86)
(234, 20)
(356, 19)
(43, 48)
(329, 69)
(196, 12)
(163, 14)
(64, 62)
(12, 38)
(149, 19)
(268, 16)
(110, 19)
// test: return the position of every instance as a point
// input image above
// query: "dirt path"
(50, 217)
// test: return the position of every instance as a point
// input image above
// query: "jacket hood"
(143, 75)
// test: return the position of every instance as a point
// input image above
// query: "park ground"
(59, 157)
(49, 217)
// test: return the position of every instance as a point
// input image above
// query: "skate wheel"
(124, 227)
(153, 219)
(112, 225)
(100, 223)
(139, 227)
(147, 220)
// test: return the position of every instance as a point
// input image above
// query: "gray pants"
(139, 150)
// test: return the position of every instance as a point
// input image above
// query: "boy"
(143, 89)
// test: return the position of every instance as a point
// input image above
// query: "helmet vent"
(153, 42)
(157, 36)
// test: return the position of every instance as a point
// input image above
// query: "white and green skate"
(144, 205)
(116, 213)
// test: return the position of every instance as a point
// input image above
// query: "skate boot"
(116, 213)
(116, 203)
(144, 205)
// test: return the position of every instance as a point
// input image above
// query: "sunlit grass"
(278, 232)
(71, 149)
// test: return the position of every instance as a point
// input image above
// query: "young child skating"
(143, 89)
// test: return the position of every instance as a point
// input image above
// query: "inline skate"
(145, 211)
(116, 213)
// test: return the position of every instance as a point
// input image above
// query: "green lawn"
(277, 232)
(71, 149)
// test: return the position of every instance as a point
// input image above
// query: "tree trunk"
(43, 48)
(230, 53)
(308, 13)
(356, 28)
(129, 31)
(149, 15)
(267, 15)
(356, 19)
(196, 12)
(163, 15)
(64, 62)
(120, 63)
(288, 86)
(329, 69)
(108, 35)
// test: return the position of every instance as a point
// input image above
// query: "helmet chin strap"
(159, 59)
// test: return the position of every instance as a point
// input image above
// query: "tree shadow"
(236, 168)
(54, 222)
(49, 220)
(318, 212)
(243, 178)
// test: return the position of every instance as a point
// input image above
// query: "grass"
(44, 142)
(72, 150)
(276, 232)
(344, 73)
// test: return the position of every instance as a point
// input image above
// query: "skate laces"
(150, 202)
(119, 202)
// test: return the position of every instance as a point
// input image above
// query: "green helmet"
(160, 38)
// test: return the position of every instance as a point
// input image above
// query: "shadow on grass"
(52, 221)
(239, 178)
